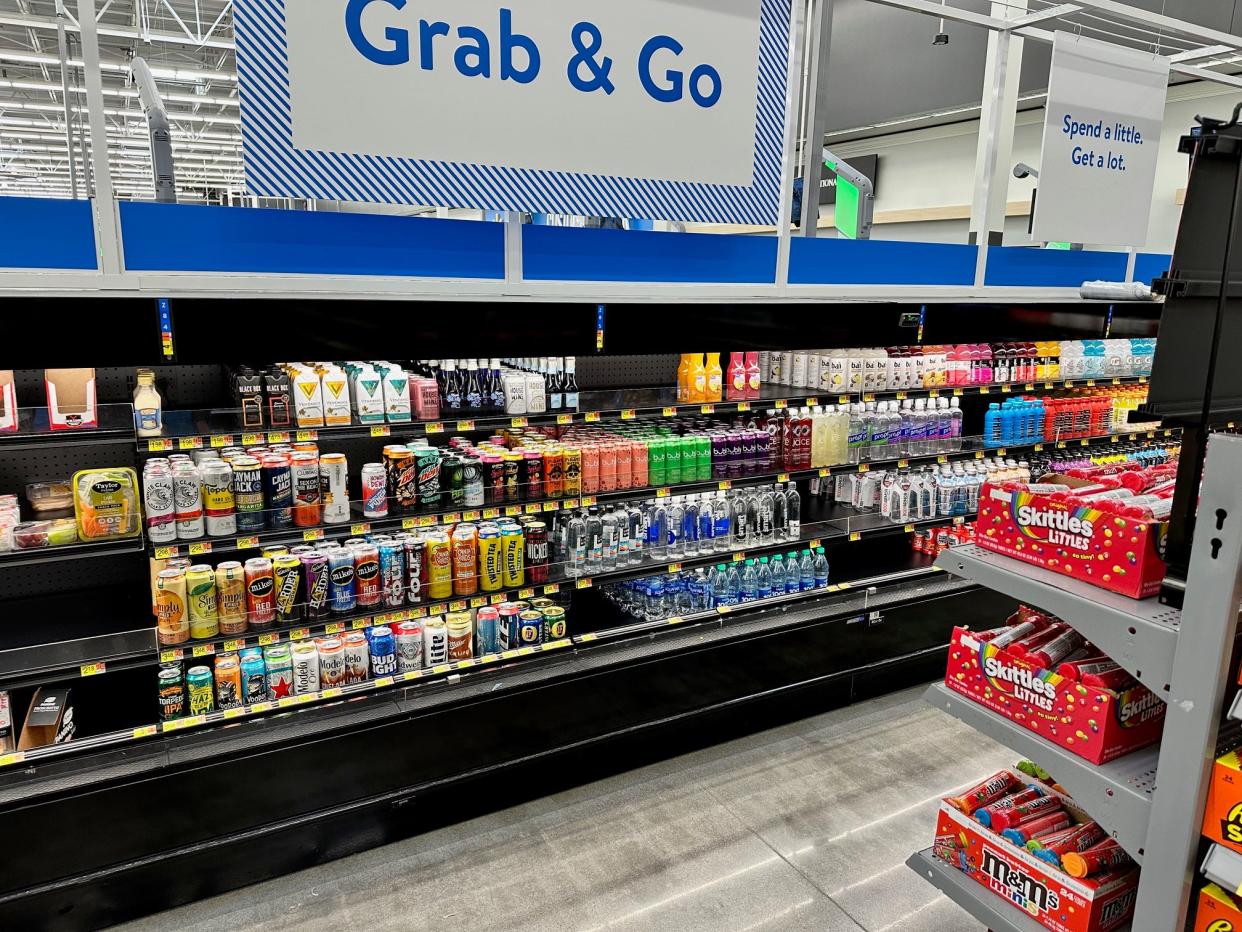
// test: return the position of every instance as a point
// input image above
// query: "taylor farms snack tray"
(106, 504)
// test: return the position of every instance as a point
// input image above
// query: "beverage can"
(439, 557)
(537, 552)
(487, 630)
(357, 657)
(416, 570)
(278, 490)
(254, 677)
(392, 573)
(172, 619)
(607, 467)
(625, 462)
(672, 461)
(200, 583)
(368, 585)
(331, 662)
(307, 495)
(374, 491)
(513, 476)
(435, 642)
(493, 465)
(657, 461)
(198, 687)
(491, 559)
(554, 473)
(231, 597)
(171, 692)
(219, 506)
(532, 475)
(590, 468)
(514, 546)
(573, 472)
(316, 584)
(465, 560)
(157, 497)
(507, 634)
(290, 591)
(305, 668)
(639, 473)
(334, 488)
(279, 663)
(409, 639)
(554, 623)
(472, 482)
(248, 494)
(530, 628)
(188, 502)
(453, 481)
(460, 636)
(342, 584)
(229, 691)
(427, 477)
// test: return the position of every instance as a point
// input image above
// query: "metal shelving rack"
(1155, 814)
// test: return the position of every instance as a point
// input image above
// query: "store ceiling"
(188, 43)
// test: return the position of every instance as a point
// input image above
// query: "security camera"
(942, 38)
(1022, 170)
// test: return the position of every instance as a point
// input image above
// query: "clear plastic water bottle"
(720, 587)
(724, 523)
(750, 582)
(638, 534)
(675, 519)
(793, 511)
(575, 546)
(733, 584)
(655, 598)
(776, 573)
(707, 525)
(766, 516)
(610, 529)
(690, 527)
(657, 531)
(677, 590)
(793, 573)
(806, 567)
(595, 543)
(696, 588)
(763, 579)
(821, 568)
(780, 513)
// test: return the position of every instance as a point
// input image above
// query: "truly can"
(532, 475)
(290, 591)
(392, 573)
(530, 628)
(198, 682)
(357, 657)
(367, 583)
(513, 550)
(229, 692)
(316, 584)
(342, 585)
(231, 597)
(487, 630)
(260, 592)
(383, 652)
(554, 473)
(334, 487)
(537, 552)
(331, 662)
(200, 581)
(278, 490)
(173, 623)
(307, 496)
(508, 620)
(573, 472)
(465, 560)
(491, 559)
(374, 491)
(279, 663)
(472, 482)
(416, 570)
(554, 624)
(427, 476)
(409, 638)
(435, 641)
(172, 692)
(305, 668)
(513, 476)
(254, 676)
(460, 635)
(439, 556)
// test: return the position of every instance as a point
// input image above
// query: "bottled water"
(793, 511)
(780, 514)
(749, 583)
(595, 543)
(610, 538)
(766, 511)
(807, 572)
(821, 569)
(720, 587)
(638, 534)
(576, 546)
(776, 575)
(690, 527)
(724, 523)
(655, 599)
(707, 525)
(675, 520)
(733, 584)
(763, 578)
(793, 573)
(657, 532)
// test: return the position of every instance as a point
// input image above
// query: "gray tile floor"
(806, 826)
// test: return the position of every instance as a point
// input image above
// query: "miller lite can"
(435, 642)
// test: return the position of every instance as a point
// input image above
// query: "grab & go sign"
(670, 109)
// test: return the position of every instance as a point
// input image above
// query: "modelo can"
(218, 502)
(439, 556)
(278, 490)
(537, 552)
(409, 638)
(248, 494)
(198, 682)
(383, 652)
(334, 487)
(200, 581)
(157, 497)
(172, 692)
(316, 584)
(392, 573)
(290, 594)
(357, 657)
(172, 622)
(460, 635)
(507, 625)
(513, 543)
(331, 662)
(416, 569)
(279, 663)
(229, 693)
(231, 597)
(305, 668)
(435, 642)
(254, 676)
(487, 630)
(368, 584)
(307, 495)
(374, 491)
(530, 628)
(491, 558)
(554, 623)
(342, 587)
(260, 592)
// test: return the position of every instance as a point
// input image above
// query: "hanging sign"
(1101, 140)
(673, 109)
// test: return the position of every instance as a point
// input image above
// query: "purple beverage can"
(318, 579)
(749, 442)
(720, 456)
(735, 455)
(763, 451)
(392, 573)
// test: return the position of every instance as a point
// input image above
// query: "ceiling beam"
(48, 23)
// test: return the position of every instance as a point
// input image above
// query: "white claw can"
(157, 497)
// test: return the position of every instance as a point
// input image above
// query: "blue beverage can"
(487, 630)
(383, 651)
(278, 490)
(254, 676)
(342, 587)
(392, 573)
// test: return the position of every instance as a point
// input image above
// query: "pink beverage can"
(374, 491)
(608, 467)
(625, 465)
(590, 469)
(638, 464)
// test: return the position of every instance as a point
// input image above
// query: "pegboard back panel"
(58, 576)
(598, 372)
(180, 386)
(51, 463)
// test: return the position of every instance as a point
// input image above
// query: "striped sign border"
(274, 168)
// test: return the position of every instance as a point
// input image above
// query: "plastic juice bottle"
(754, 376)
(737, 377)
(683, 379)
(697, 379)
(715, 378)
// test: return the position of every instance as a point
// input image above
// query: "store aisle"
(806, 826)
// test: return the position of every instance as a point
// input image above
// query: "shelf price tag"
(869, 396)
(783, 477)
(511, 510)
(314, 534)
(306, 436)
(707, 409)
(470, 516)
(1069, 383)
(359, 530)
(489, 513)
(843, 399)
(1142, 380)
(588, 501)
(551, 506)
(551, 589)
(1048, 386)
(958, 393)
(252, 440)
(985, 390)
(245, 543)
(816, 543)
(93, 669)
(909, 528)
(457, 606)
(739, 557)
(901, 396)
(812, 402)
(159, 446)
(903, 464)
(670, 412)
(381, 430)
(855, 536)
(453, 517)
(864, 467)
(299, 634)
(230, 714)
(278, 436)
(627, 415)
(170, 656)
(1030, 387)
(1060, 444)
(781, 404)
(232, 647)
(203, 650)
(825, 473)
(725, 485)
(978, 454)
(942, 460)
(1006, 389)
(959, 520)
(1084, 442)
(533, 509)
(1002, 452)
(478, 601)
(196, 549)
(1039, 448)
(221, 440)
(146, 731)
(190, 443)
(436, 428)
(272, 637)
(584, 583)
(464, 426)
(1112, 439)
(724, 609)
(526, 594)
(674, 568)
(1090, 383)
(592, 417)
(332, 692)
(564, 419)
(358, 624)
(743, 406)
(163, 553)
(934, 393)
(663, 493)
(671, 621)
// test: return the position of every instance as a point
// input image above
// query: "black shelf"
(68, 552)
(115, 425)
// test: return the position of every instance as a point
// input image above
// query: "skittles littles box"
(1106, 550)
(1093, 722)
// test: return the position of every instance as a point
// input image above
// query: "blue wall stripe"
(1016, 266)
(43, 233)
(188, 238)
(1149, 265)
(575, 254)
(833, 261)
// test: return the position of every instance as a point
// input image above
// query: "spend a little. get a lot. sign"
(669, 109)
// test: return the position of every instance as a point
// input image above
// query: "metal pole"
(820, 29)
(62, 46)
(107, 230)
(783, 219)
(513, 248)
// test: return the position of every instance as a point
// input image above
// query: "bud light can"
(305, 668)
(392, 573)
(409, 638)
(331, 662)
(279, 671)
(357, 657)
(316, 583)
(383, 652)
(342, 589)
(367, 583)
(254, 676)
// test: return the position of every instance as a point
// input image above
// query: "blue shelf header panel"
(832, 261)
(191, 238)
(44, 233)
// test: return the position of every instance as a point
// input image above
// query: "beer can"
(513, 477)
(374, 491)
(357, 657)
(272, 551)
(439, 556)
(368, 586)
(554, 473)
(342, 586)
(435, 642)
(383, 652)
(530, 628)
(254, 676)
(532, 475)
(513, 544)
(400, 477)
(427, 476)
(219, 507)
(305, 668)
(507, 625)
(157, 497)
(334, 487)
(231, 597)
(491, 559)
(260, 592)
(409, 638)
(278, 490)
(200, 583)
(465, 560)
(331, 662)
(472, 482)
(279, 663)
(188, 502)
(392, 573)
(248, 494)
(453, 481)
(416, 570)
(460, 636)
(537, 553)
(172, 692)
(229, 694)
(487, 630)
(172, 620)
(290, 593)
(307, 497)
(316, 584)
(554, 624)
(198, 682)
(573, 472)
(493, 466)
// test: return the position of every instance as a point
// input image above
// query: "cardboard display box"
(1222, 817)
(49, 719)
(71, 398)
(8, 401)
(1217, 912)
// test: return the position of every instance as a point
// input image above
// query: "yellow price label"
(159, 446)
(739, 557)
(743, 406)
(901, 396)
(203, 650)
(93, 669)
(855, 536)
(864, 467)
(584, 583)
(463, 426)
(163, 553)
(903, 464)
(1006, 389)
(436, 428)
(592, 417)
(707, 409)
(285, 701)
(1048, 386)
(470, 516)
(425, 521)
(244, 543)
(489, 658)
(551, 506)
(869, 396)
(526, 593)
(453, 517)
(844, 586)
(457, 606)
(383, 682)
(825, 473)
(258, 707)
(299, 634)
(1001, 452)
(909, 528)
(783, 477)
(1142, 380)
(959, 520)
(409, 524)
(533, 508)
(15, 757)
(170, 656)
(985, 390)
(942, 460)
(724, 609)
(231, 647)
(314, 534)
(221, 440)
(670, 412)
(332, 692)
(478, 601)
(358, 530)
(552, 589)
(1039, 448)
(671, 621)
(1090, 383)
(934, 393)
(491, 512)
(278, 436)
(146, 731)
(781, 404)
(1069, 383)
(306, 436)
(588, 501)
(519, 422)
(815, 543)
(230, 714)
(812, 402)
(525, 651)
(511, 510)
(663, 493)
(725, 485)
(196, 549)
(588, 638)
(958, 393)
(1061, 445)
(464, 664)
(252, 440)
(674, 567)
(563, 419)
(1030, 387)
(508, 655)
(190, 443)
(627, 415)
(1084, 442)
(1112, 439)
(359, 623)
(978, 454)
(272, 637)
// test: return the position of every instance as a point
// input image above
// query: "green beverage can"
(657, 462)
(172, 692)
(703, 454)
(199, 684)
(673, 461)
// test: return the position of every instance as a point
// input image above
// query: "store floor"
(806, 826)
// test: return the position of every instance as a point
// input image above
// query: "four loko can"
(305, 668)
(331, 662)
(392, 573)
(416, 569)
(383, 652)
(357, 657)
(409, 638)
